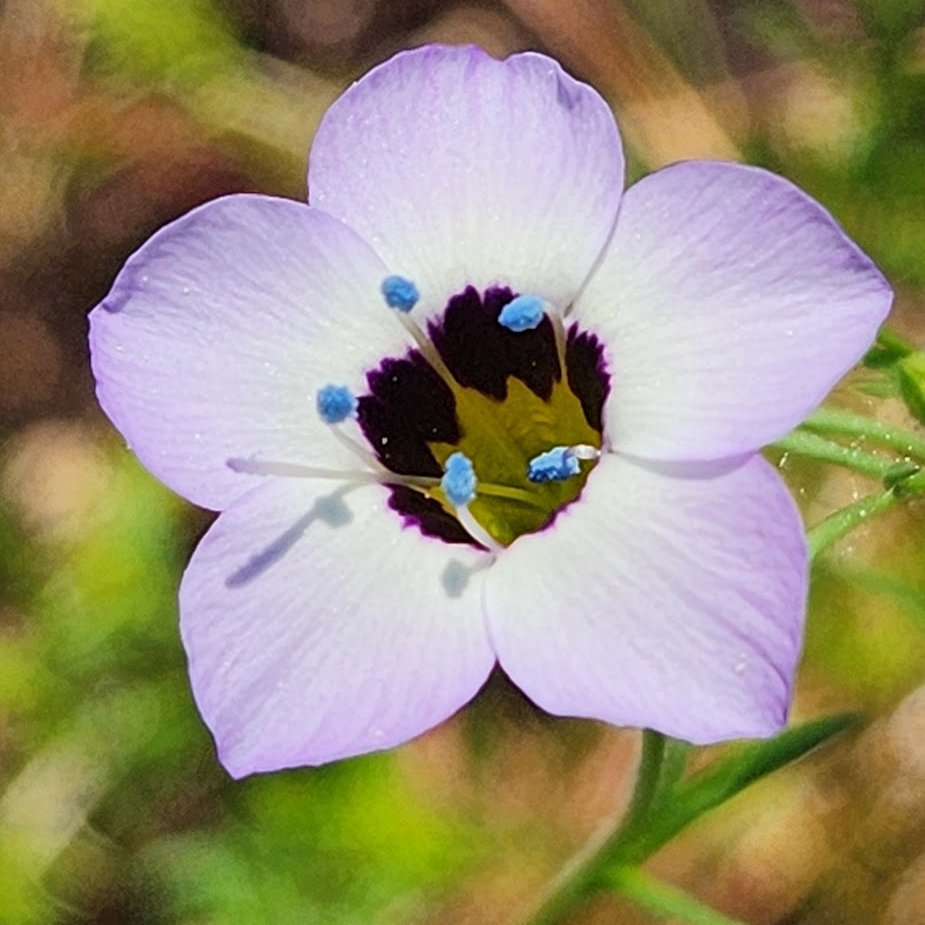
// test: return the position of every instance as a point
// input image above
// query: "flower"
(472, 405)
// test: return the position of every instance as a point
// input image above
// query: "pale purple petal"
(318, 626)
(670, 598)
(730, 303)
(461, 169)
(219, 331)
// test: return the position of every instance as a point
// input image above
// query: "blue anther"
(522, 314)
(335, 403)
(459, 481)
(400, 293)
(555, 465)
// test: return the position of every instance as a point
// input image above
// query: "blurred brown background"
(119, 115)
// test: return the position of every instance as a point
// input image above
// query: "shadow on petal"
(455, 577)
(329, 509)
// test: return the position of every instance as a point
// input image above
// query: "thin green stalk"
(858, 427)
(651, 766)
(892, 341)
(813, 446)
(721, 781)
(664, 900)
(579, 877)
(657, 814)
(842, 522)
(674, 763)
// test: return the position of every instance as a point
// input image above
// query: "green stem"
(836, 525)
(657, 814)
(858, 427)
(664, 900)
(674, 761)
(651, 764)
(813, 446)
(581, 875)
(895, 343)
(842, 522)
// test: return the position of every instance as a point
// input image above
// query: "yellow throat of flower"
(501, 437)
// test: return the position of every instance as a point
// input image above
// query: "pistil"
(488, 381)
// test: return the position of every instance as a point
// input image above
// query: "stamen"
(359, 451)
(476, 530)
(459, 481)
(400, 293)
(428, 351)
(523, 313)
(252, 466)
(555, 465)
(295, 470)
(508, 491)
(558, 329)
(335, 403)
(560, 463)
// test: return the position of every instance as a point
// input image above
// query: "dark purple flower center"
(414, 418)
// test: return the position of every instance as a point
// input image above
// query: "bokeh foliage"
(112, 806)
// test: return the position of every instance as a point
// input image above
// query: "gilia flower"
(471, 406)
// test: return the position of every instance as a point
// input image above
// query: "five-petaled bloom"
(473, 404)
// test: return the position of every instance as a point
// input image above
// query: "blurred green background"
(118, 115)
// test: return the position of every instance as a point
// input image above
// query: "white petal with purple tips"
(318, 627)
(671, 599)
(463, 170)
(220, 331)
(730, 303)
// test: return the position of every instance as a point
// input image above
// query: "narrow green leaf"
(664, 900)
(881, 357)
(726, 778)
(674, 763)
(658, 812)
(899, 472)
(814, 446)
(911, 370)
(864, 431)
(843, 521)
(889, 349)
